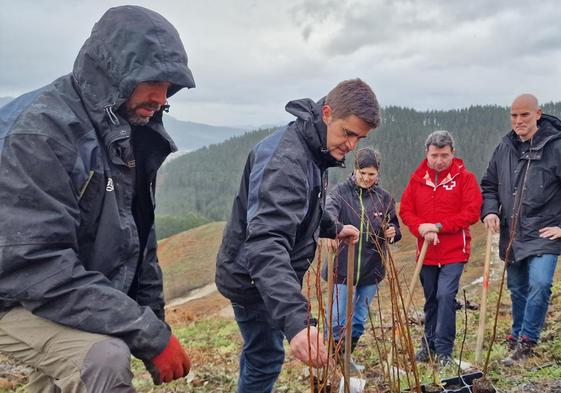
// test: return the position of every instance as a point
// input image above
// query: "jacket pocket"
(529, 226)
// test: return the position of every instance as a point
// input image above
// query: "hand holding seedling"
(348, 234)
(308, 347)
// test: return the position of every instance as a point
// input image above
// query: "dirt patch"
(204, 307)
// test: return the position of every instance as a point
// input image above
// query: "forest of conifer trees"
(205, 181)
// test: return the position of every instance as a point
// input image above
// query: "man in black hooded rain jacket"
(522, 199)
(270, 239)
(80, 284)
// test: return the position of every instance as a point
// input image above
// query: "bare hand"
(312, 354)
(390, 233)
(426, 228)
(550, 233)
(349, 234)
(492, 222)
(432, 237)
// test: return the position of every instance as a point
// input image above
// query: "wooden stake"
(330, 297)
(349, 313)
(483, 306)
(416, 274)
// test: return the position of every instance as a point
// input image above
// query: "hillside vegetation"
(205, 182)
(188, 259)
(214, 341)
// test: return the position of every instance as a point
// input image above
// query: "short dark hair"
(440, 139)
(354, 97)
(367, 157)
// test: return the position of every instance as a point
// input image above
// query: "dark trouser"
(440, 285)
(263, 352)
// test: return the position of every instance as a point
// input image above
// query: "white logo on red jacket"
(449, 186)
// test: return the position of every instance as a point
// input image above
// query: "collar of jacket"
(311, 127)
(549, 129)
(114, 60)
(425, 175)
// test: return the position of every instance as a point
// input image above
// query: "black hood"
(127, 46)
(549, 128)
(306, 111)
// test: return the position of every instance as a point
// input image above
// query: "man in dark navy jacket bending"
(270, 240)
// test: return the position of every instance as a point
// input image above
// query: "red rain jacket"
(454, 202)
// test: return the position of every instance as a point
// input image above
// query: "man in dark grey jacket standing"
(80, 284)
(270, 239)
(522, 199)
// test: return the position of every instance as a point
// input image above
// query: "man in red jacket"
(439, 204)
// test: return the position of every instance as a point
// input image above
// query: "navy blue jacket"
(348, 203)
(270, 239)
(541, 199)
(77, 245)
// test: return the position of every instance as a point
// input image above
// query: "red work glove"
(172, 363)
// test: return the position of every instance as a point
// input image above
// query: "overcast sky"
(251, 57)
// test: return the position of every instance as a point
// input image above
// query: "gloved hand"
(172, 363)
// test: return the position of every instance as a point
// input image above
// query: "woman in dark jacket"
(359, 201)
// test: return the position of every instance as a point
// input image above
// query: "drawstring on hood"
(111, 115)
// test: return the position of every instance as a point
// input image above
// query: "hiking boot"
(511, 342)
(445, 360)
(424, 354)
(524, 349)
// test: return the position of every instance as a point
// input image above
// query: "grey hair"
(440, 139)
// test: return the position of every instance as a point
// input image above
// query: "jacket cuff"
(338, 228)
(297, 324)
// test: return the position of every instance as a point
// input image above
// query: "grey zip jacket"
(77, 245)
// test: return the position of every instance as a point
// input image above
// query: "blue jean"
(529, 282)
(263, 352)
(440, 284)
(362, 298)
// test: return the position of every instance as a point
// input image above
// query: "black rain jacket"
(270, 239)
(371, 211)
(77, 245)
(541, 199)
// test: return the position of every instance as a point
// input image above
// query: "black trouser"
(440, 284)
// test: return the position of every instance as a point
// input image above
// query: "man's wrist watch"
(438, 226)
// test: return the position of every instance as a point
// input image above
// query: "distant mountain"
(205, 181)
(191, 136)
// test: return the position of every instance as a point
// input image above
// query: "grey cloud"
(250, 57)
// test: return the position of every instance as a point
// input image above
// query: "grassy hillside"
(188, 259)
